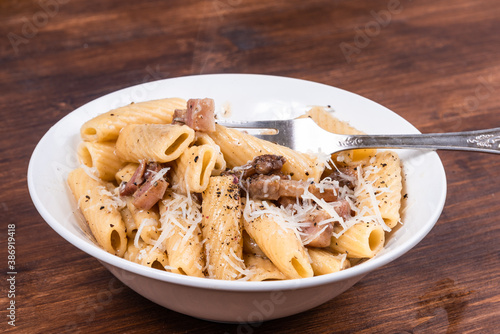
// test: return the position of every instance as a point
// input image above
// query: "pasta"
(324, 262)
(194, 167)
(107, 126)
(153, 142)
(181, 238)
(383, 175)
(262, 268)
(159, 187)
(363, 240)
(144, 254)
(221, 227)
(100, 210)
(100, 156)
(281, 246)
(204, 139)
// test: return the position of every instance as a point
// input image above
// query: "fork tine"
(272, 124)
(270, 138)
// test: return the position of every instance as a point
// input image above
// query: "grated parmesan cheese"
(160, 174)
(145, 222)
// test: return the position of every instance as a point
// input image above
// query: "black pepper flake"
(196, 158)
(307, 173)
(101, 208)
(383, 165)
(111, 225)
(405, 196)
(87, 196)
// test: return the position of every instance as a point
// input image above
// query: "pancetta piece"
(130, 187)
(317, 234)
(200, 115)
(153, 188)
(273, 187)
(263, 164)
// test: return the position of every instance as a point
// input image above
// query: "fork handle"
(480, 141)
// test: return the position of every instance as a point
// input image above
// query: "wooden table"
(435, 63)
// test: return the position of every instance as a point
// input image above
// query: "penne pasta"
(281, 246)
(107, 126)
(324, 262)
(128, 220)
(180, 236)
(146, 222)
(261, 268)
(383, 181)
(147, 256)
(202, 138)
(363, 240)
(153, 142)
(100, 210)
(125, 173)
(100, 156)
(194, 167)
(221, 228)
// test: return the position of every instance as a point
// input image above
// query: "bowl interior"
(240, 97)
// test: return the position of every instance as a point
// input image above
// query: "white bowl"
(244, 97)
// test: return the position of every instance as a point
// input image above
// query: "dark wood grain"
(435, 63)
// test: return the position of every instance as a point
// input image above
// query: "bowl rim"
(213, 284)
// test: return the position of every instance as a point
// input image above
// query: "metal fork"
(303, 134)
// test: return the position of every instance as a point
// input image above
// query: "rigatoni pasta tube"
(127, 218)
(180, 237)
(202, 138)
(194, 167)
(281, 246)
(221, 227)
(153, 142)
(261, 269)
(362, 240)
(107, 126)
(100, 156)
(239, 148)
(325, 262)
(125, 173)
(145, 255)
(100, 211)
(384, 174)
(146, 222)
